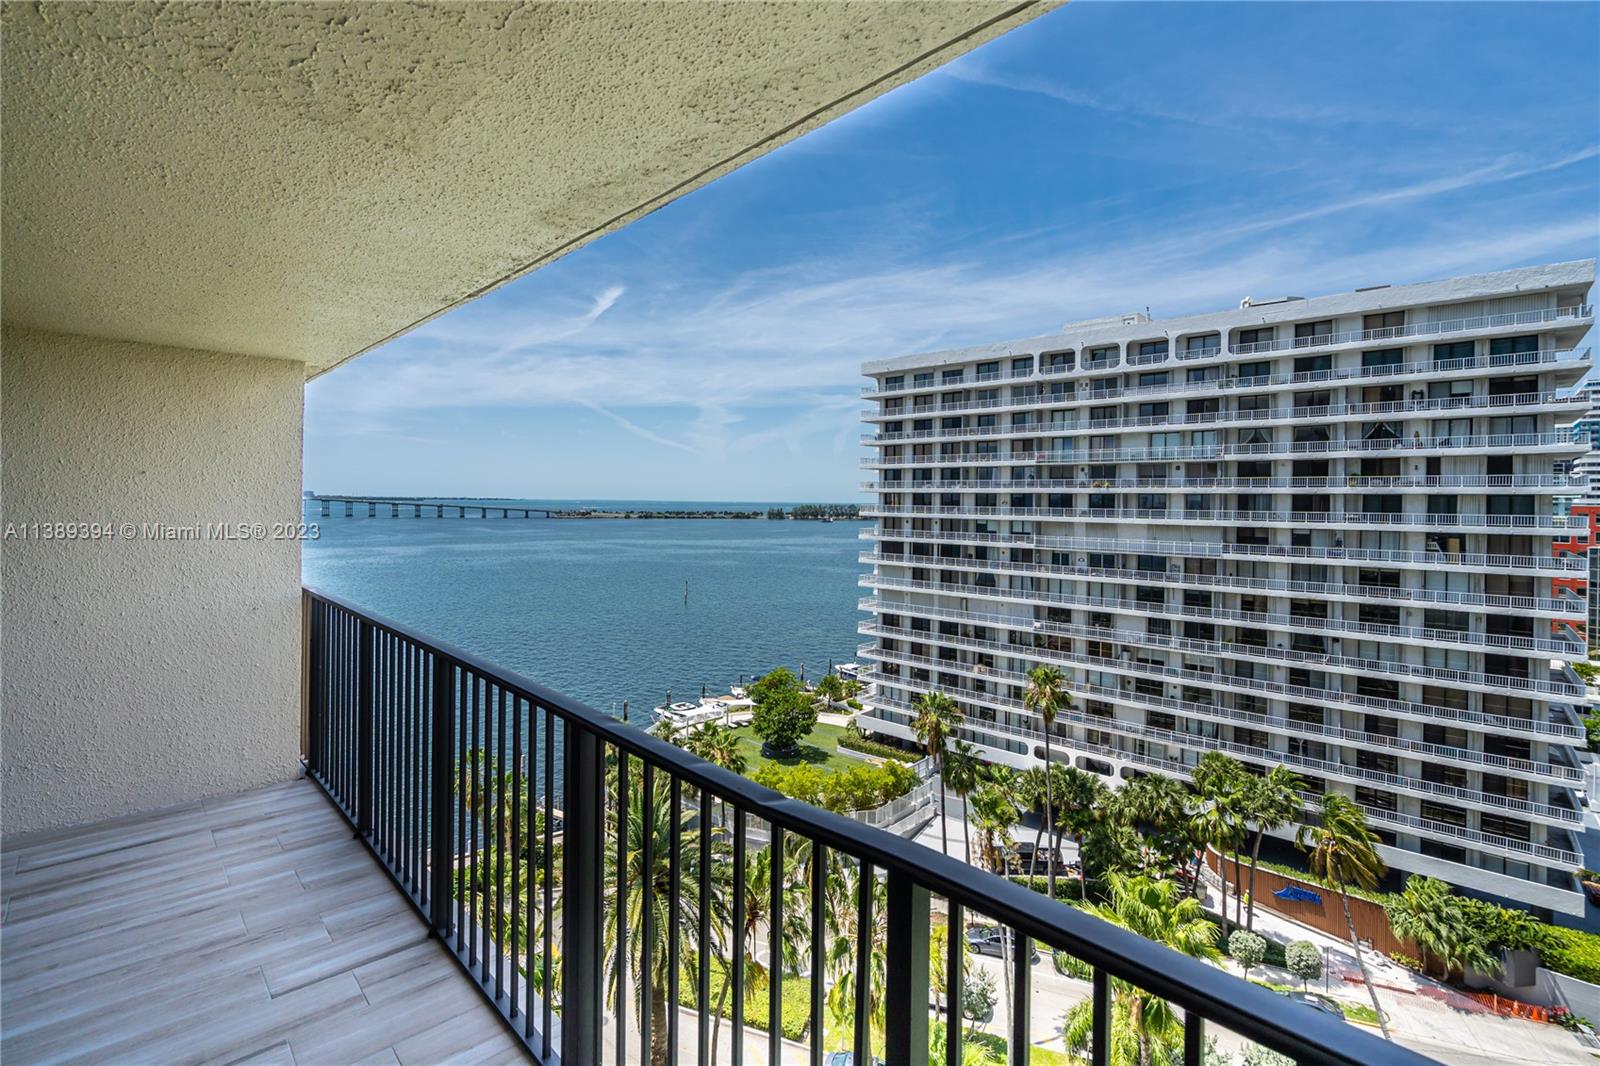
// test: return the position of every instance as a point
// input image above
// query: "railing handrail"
(1193, 985)
(1256, 381)
(1474, 560)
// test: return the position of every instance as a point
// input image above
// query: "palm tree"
(757, 914)
(937, 719)
(1161, 805)
(1218, 778)
(1029, 794)
(1045, 695)
(963, 772)
(1422, 914)
(1343, 852)
(717, 744)
(1144, 1026)
(1083, 800)
(626, 917)
(1272, 801)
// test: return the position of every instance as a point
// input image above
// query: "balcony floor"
(249, 928)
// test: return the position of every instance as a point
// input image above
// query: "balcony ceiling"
(306, 181)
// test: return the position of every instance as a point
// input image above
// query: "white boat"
(849, 671)
(686, 715)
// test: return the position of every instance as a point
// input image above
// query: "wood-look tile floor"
(247, 929)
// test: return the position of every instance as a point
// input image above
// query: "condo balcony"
(1531, 564)
(1556, 727)
(1487, 523)
(1333, 591)
(898, 713)
(1434, 369)
(1552, 771)
(1560, 683)
(1507, 403)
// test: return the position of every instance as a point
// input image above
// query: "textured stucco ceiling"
(305, 181)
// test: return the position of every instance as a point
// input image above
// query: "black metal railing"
(617, 899)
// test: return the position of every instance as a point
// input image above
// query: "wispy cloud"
(632, 426)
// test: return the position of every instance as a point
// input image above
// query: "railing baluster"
(549, 874)
(863, 975)
(674, 915)
(819, 931)
(517, 942)
(739, 918)
(1194, 1039)
(583, 783)
(621, 917)
(906, 966)
(1100, 1034)
(954, 979)
(775, 920)
(1021, 1043)
(365, 638)
(647, 899)
(442, 859)
(501, 851)
(702, 951)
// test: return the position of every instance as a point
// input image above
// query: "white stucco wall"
(137, 673)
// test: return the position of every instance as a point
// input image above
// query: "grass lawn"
(821, 748)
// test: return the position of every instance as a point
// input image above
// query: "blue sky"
(1104, 158)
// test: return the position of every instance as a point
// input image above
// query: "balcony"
(1471, 366)
(450, 882)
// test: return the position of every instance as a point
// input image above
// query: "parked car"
(846, 1058)
(1315, 1002)
(986, 940)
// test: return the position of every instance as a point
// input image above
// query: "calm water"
(595, 608)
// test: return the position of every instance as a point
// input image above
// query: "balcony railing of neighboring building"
(506, 814)
(1562, 683)
(898, 713)
(1557, 772)
(1495, 360)
(1465, 560)
(1558, 725)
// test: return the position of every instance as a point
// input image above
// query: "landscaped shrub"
(1572, 952)
(855, 740)
(1303, 959)
(1247, 949)
(859, 788)
(1068, 887)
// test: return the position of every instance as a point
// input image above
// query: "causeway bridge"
(419, 507)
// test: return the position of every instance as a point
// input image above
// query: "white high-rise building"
(1307, 531)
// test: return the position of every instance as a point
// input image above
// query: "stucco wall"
(141, 673)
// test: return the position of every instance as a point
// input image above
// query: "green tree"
(1423, 913)
(1046, 694)
(626, 915)
(717, 744)
(1303, 959)
(831, 689)
(937, 719)
(1162, 809)
(1145, 1029)
(1247, 949)
(1343, 851)
(1220, 780)
(782, 719)
(1271, 802)
(1084, 800)
(963, 772)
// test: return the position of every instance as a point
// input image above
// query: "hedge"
(855, 742)
(796, 1000)
(1572, 952)
(1068, 887)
